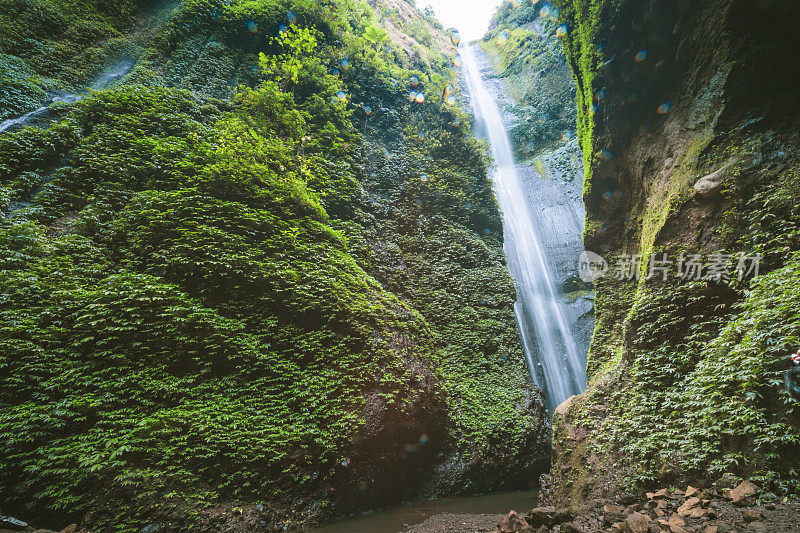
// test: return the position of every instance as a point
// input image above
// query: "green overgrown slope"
(255, 284)
(688, 122)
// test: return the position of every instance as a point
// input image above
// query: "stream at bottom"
(403, 517)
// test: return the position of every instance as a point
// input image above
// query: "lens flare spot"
(554, 14)
(561, 31)
(543, 119)
(423, 178)
(449, 89)
(567, 135)
(368, 110)
(457, 60)
(502, 38)
(341, 95)
(451, 100)
(487, 232)
(282, 28)
(455, 37)
(344, 63)
(335, 71)
(252, 26)
(545, 11)
(414, 81)
(420, 99)
(291, 17)
(608, 195)
(641, 55)
(664, 108)
(412, 95)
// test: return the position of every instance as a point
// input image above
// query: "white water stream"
(111, 75)
(551, 350)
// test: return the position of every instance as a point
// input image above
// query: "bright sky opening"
(470, 17)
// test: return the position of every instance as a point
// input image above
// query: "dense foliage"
(256, 274)
(686, 375)
(525, 41)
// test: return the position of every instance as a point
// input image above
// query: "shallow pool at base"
(399, 518)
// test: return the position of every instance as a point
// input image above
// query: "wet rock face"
(691, 115)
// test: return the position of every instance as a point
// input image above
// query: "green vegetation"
(227, 283)
(686, 375)
(529, 55)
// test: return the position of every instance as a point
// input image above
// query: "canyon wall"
(688, 116)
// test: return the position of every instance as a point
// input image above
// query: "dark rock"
(563, 515)
(752, 515)
(638, 522)
(727, 481)
(541, 516)
(613, 514)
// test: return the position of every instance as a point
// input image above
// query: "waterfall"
(554, 360)
(108, 77)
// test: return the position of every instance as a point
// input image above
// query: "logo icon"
(591, 267)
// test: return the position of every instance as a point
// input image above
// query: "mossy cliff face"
(254, 285)
(688, 117)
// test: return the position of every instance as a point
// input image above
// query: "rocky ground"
(728, 507)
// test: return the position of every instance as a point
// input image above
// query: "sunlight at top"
(470, 17)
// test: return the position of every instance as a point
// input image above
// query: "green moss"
(207, 297)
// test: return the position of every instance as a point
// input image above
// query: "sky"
(471, 17)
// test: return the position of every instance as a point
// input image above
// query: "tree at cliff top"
(256, 284)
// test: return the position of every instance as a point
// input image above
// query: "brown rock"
(638, 522)
(621, 527)
(662, 494)
(676, 520)
(752, 515)
(758, 527)
(711, 529)
(743, 490)
(677, 529)
(699, 512)
(70, 529)
(512, 523)
(613, 514)
(688, 505)
(541, 516)
(691, 491)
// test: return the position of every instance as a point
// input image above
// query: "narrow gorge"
(337, 266)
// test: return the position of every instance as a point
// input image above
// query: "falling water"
(553, 357)
(107, 78)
